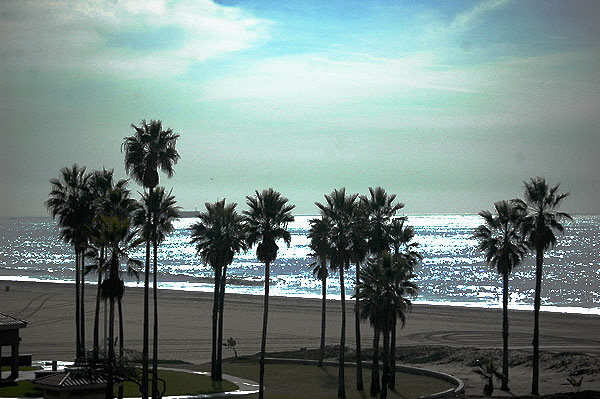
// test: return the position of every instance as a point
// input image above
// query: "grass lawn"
(178, 383)
(299, 381)
(21, 389)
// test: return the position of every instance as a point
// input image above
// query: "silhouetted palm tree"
(401, 241)
(541, 222)
(340, 209)
(159, 207)
(320, 245)
(379, 208)
(266, 222)
(384, 292)
(102, 185)
(149, 149)
(219, 236)
(360, 249)
(121, 240)
(501, 240)
(71, 203)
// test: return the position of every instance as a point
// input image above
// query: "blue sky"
(450, 105)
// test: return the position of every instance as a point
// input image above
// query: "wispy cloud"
(98, 35)
(475, 16)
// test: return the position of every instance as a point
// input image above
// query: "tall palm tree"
(360, 249)
(379, 208)
(541, 222)
(501, 240)
(121, 240)
(320, 245)
(384, 292)
(70, 202)
(266, 221)
(109, 198)
(159, 207)
(401, 241)
(219, 236)
(340, 209)
(149, 149)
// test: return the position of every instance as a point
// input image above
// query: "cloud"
(147, 38)
(475, 16)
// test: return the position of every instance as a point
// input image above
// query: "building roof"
(72, 379)
(8, 322)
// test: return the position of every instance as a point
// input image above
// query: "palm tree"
(501, 240)
(266, 222)
(360, 248)
(109, 198)
(321, 246)
(401, 241)
(70, 202)
(218, 236)
(542, 220)
(121, 240)
(149, 149)
(110, 231)
(384, 291)
(379, 208)
(340, 210)
(159, 207)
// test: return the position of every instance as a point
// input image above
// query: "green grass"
(20, 389)
(308, 381)
(181, 383)
(178, 383)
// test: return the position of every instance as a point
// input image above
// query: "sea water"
(452, 272)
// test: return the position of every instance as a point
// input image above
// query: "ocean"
(452, 272)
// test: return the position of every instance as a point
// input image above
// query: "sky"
(450, 105)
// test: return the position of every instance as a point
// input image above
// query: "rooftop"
(9, 322)
(71, 379)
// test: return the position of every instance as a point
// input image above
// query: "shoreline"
(574, 310)
(294, 323)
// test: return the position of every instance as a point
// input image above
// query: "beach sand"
(294, 323)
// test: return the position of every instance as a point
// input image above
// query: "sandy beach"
(294, 323)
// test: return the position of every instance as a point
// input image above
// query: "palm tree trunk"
(77, 307)
(121, 343)
(342, 359)
(386, 363)
(97, 318)
(392, 384)
(145, 337)
(263, 343)
(111, 350)
(323, 320)
(215, 318)
(539, 259)
(359, 379)
(375, 388)
(82, 321)
(155, 326)
(220, 341)
(504, 386)
(105, 329)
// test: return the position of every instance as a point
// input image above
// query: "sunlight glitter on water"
(453, 271)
